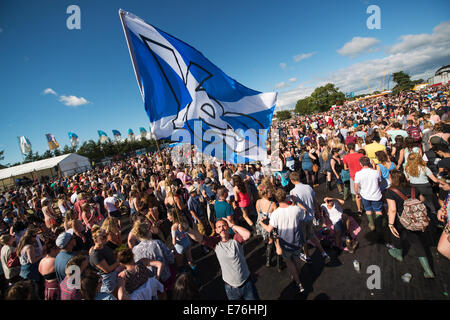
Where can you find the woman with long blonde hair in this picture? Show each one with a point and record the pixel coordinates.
(227, 182)
(417, 173)
(114, 237)
(326, 156)
(264, 208)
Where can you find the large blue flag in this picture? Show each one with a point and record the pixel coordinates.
(184, 92)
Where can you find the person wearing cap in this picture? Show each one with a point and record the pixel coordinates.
(206, 189)
(65, 242)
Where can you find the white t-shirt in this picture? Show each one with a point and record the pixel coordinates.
(334, 213)
(368, 180)
(288, 222)
(73, 198)
(304, 194)
(110, 204)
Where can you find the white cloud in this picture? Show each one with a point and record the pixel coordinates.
(292, 79)
(73, 101)
(289, 98)
(358, 45)
(283, 65)
(49, 91)
(303, 56)
(420, 59)
(1, 30)
(441, 33)
(281, 85)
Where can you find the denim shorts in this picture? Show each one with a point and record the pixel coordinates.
(338, 226)
(109, 282)
(288, 254)
(182, 245)
(374, 206)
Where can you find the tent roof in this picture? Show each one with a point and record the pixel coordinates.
(37, 165)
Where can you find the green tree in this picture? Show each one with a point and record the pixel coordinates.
(30, 157)
(47, 154)
(283, 115)
(326, 96)
(67, 149)
(403, 82)
(304, 106)
(320, 100)
(57, 152)
(1, 158)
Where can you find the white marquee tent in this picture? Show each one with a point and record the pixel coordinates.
(64, 165)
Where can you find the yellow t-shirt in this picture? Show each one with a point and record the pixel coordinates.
(372, 148)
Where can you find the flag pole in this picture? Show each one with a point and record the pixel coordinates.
(23, 156)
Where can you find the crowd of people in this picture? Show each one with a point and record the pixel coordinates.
(389, 154)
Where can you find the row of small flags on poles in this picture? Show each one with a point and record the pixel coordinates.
(25, 144)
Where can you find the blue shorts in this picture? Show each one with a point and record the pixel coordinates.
(374, 206)
(109, 281)
(338, 226)
(182, 245)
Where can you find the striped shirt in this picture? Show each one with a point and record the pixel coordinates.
(67, 293)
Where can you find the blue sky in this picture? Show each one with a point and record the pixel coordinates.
(255, 42)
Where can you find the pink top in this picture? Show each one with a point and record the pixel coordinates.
(243, 200)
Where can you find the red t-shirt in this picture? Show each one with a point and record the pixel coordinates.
(350, 139)
(330, 122)
(352, 162)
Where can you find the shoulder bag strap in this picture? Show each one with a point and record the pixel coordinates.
(401, 195)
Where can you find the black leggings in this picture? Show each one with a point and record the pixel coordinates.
(417, 240)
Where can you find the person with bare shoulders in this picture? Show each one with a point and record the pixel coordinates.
(264, 208)
(50, 215)
(47, 270)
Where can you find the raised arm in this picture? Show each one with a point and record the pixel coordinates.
(194, 234)
(244, 233)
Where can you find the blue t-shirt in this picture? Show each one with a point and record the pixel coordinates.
(60, 264)
(195, 205)
(223, 209)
